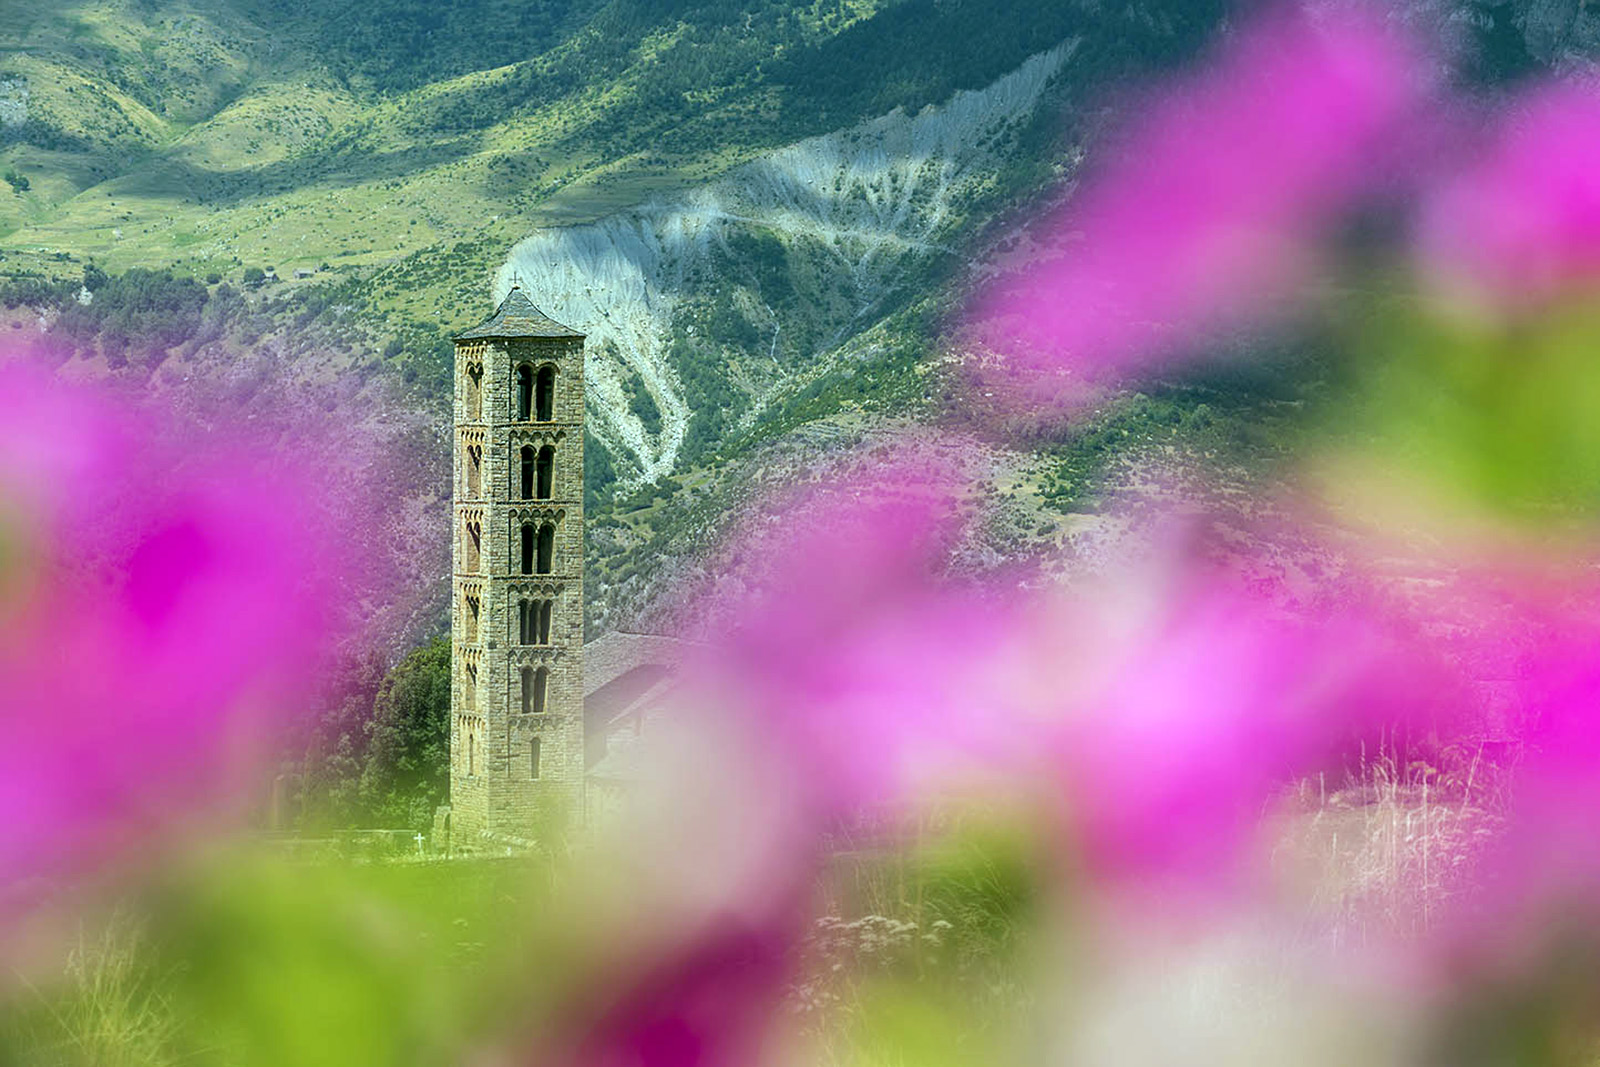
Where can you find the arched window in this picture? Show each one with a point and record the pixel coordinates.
(547, 549)
(535, 685)
(527, 469)
(533, 621)
(524, 392)
(529, 537)
(474, 392)
(533, 757)
(545, 405)
(546, 469)
(474, 469)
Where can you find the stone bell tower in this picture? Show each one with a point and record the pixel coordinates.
(516, 735)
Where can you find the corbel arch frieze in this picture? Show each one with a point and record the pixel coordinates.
(537, 590)
(544, 722)
(538, 514)
(535, 655)
(542, 435)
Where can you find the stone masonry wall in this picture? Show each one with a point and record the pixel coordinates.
(492, 785)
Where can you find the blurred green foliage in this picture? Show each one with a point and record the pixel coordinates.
(246, 957)
(407, 770)
(1495, 414)
(379, 756)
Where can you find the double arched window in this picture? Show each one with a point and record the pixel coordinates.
(538, 548)
(533, 621)
(536, 393)
(537, 472)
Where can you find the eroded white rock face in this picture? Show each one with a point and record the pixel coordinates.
(874, 198)
(13, 102)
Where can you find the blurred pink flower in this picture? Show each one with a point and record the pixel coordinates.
(855, 659)
(1211, 703)
(1207, 216)
(1164, 708)
(1547, 644)
(1523, 222)
(162, 608)
(711, 1003)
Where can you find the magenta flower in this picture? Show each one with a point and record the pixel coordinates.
(1208, 215)
(857, 662)
(1205, 704)
(710, 1003)
(161, 615)
(1161, 710)
(1523, 223)
(1545, 643)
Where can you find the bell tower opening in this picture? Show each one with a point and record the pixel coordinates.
(545, 395)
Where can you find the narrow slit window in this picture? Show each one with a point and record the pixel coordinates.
(474, 393)
(524, 393)
(545, 407)
(533, 757)
(529, 538)
(470, 696)
(547, 549)
(545, 609)
(546, 473)
(474, 547)
(535, 687)
(527, 472)
(474, 470)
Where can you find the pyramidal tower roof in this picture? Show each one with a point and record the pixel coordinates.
(517, 317)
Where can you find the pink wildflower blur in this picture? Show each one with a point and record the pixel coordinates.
(1207, 217)
(850, 653)
(1159, 712)
(1205, 705)
(1544, 640)
(159, 619)
(1522, 223)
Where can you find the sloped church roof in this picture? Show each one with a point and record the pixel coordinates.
(517, 317)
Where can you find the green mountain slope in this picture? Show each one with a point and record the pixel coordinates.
(400, 152)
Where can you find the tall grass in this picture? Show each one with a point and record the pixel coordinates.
(107, 1009)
